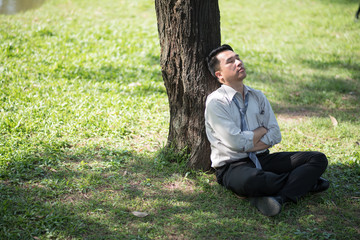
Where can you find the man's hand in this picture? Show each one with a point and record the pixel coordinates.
(259, 145)
(258, 134)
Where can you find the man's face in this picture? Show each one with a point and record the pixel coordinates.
(231, 68)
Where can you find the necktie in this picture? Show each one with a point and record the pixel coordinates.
(244, 127)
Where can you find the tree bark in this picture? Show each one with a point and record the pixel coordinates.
(188, 31)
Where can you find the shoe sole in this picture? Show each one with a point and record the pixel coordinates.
(324, 186)
(268, 206)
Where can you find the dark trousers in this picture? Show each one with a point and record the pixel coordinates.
(287, 174)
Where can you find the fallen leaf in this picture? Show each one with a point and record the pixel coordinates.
(139, 214)
(333, 121)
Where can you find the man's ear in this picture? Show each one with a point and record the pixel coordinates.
(219, 76)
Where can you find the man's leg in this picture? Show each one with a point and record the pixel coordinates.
(304, 170)
(285, 176)
(245, 180)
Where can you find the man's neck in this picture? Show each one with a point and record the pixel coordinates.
(239, 87)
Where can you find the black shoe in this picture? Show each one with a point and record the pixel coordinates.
(321, 185)
(268, 206)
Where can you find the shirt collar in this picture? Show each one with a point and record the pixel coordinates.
(230, 92)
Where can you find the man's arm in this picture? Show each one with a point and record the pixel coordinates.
(222, 129)
(258, 144)
(273, 135)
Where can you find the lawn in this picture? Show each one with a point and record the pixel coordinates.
(84, 119)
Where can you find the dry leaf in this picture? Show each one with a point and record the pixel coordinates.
(140, 214)
(333, 120)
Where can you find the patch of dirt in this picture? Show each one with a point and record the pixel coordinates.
(184, 186)
(296, 116)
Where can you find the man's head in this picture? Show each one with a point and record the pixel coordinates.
(225, 65)
(212, 60)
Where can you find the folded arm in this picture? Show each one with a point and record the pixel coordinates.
(223, 128)
(268, 121)
(258, 144)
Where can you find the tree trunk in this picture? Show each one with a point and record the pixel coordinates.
(188, 31)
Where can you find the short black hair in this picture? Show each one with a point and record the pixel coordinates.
(212, 61)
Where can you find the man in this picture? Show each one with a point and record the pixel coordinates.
(241, 126)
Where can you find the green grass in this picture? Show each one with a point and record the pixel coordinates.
(84, 117)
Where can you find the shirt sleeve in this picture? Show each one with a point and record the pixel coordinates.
(273, 136)
(221, 129)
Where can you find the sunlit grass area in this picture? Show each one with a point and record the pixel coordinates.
(84, 116)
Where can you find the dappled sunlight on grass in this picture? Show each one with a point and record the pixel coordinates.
(84, 120)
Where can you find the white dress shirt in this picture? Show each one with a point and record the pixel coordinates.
(223, 124)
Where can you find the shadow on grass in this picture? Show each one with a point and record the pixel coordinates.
(318, 95)
(340, 1)
(91, 194)
(141, 79)
(348, 64)
(28, 212)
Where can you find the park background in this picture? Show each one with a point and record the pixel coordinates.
(84, 119)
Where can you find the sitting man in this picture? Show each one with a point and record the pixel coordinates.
(241, 126)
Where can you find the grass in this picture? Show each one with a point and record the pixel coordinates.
(84, 117)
